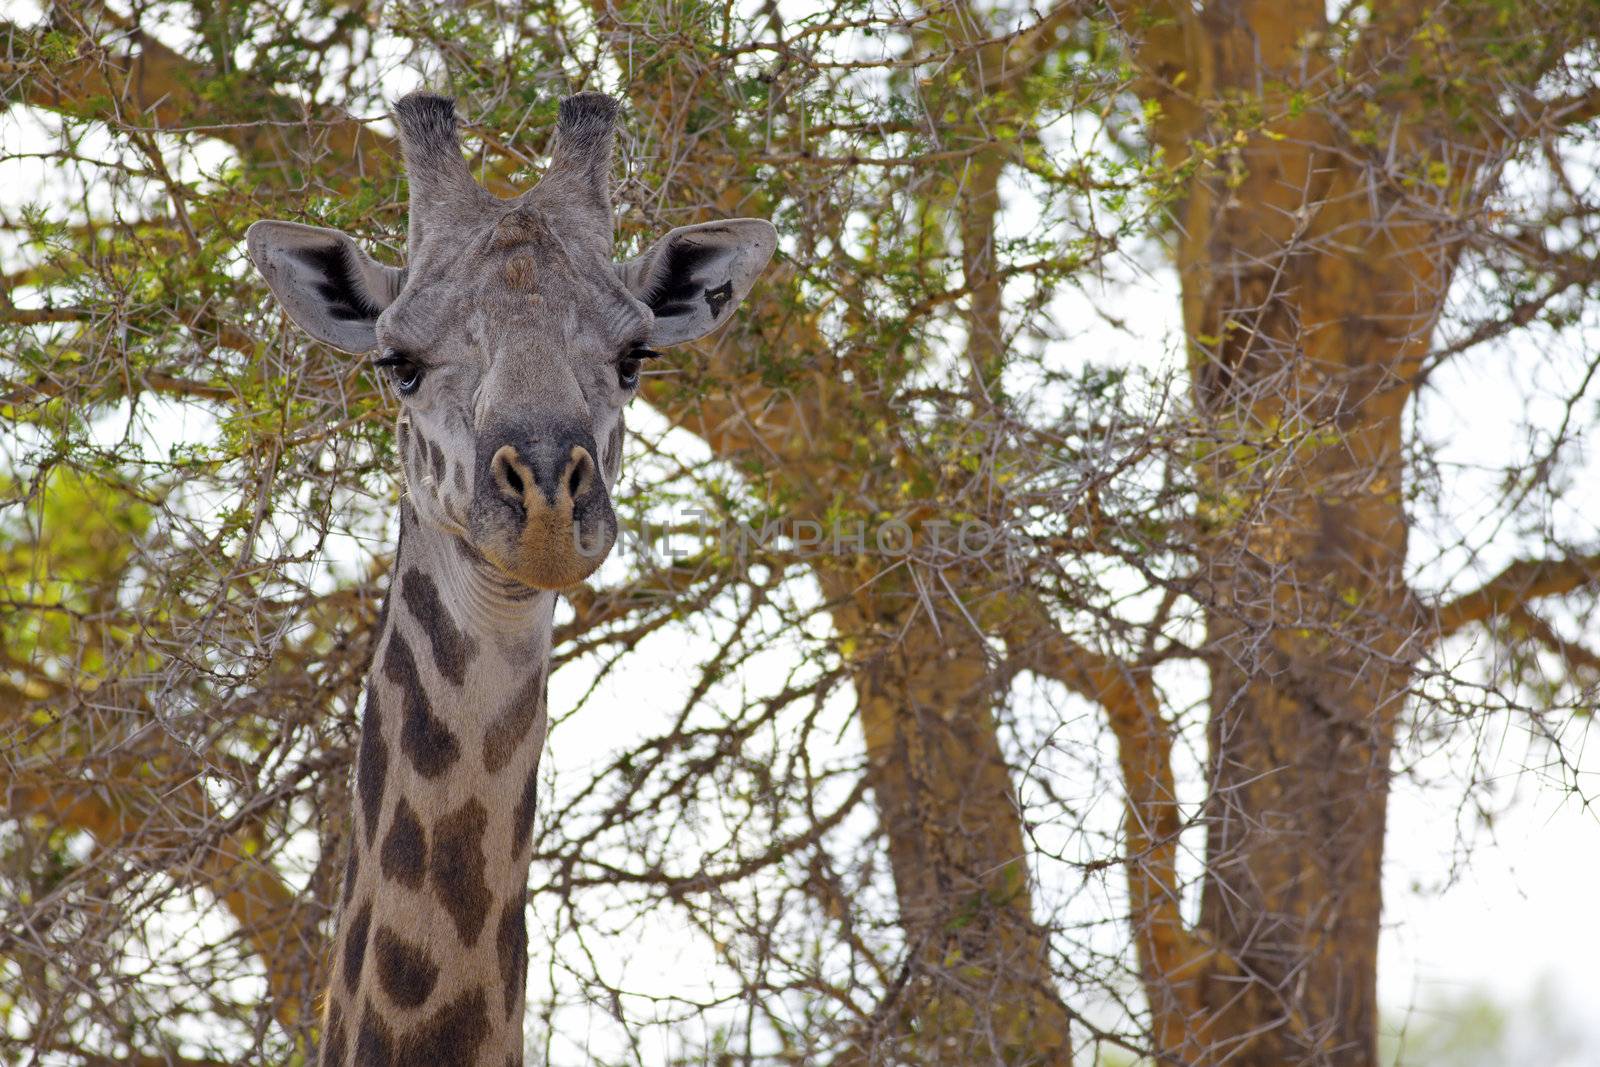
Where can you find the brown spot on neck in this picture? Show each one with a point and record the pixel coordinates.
(451, 1036)
(352, 868)
(374, 1041)
(372, 765)
(334, 1042)
(424, 737)
(355, 947)
(511, 946)
(510, 728)
(522, 816)
(456, 869)
(453, 649)
(405, 848)
(405, 971)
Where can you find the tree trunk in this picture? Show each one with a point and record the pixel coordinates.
(1300, 735)
(978, 986)
(1309, 299)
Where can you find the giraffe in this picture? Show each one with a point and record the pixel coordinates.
(514, 342)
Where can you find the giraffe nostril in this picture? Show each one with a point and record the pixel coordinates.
(580, 468)
(511, 478)
(538, 473)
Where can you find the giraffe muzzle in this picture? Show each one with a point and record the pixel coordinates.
(541, 513)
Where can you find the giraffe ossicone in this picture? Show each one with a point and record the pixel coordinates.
(514, 342)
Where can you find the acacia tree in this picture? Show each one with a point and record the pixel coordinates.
(879, 848)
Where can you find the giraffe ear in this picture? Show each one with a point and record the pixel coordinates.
(330, 288)
(695, 276)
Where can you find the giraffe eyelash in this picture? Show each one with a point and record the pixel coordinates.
(628, 365)
(393, 357)
(404, 371)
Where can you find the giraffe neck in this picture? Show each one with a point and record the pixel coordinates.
(431, 956)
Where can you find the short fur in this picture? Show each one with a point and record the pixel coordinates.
(507, 326)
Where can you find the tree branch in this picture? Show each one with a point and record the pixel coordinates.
(1022, 56)
(1514, 587)
(20, 392)
(1570, 271)
(1172, 957)
(151, 85)
(134, 1059)
(1576, 655)
(264, 907)
(1571, 110)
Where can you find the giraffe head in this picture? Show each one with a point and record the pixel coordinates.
(512, 337)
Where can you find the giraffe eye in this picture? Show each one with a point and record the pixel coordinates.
(628, 366)
(404, 372)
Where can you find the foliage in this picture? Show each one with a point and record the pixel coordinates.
(873, 804)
